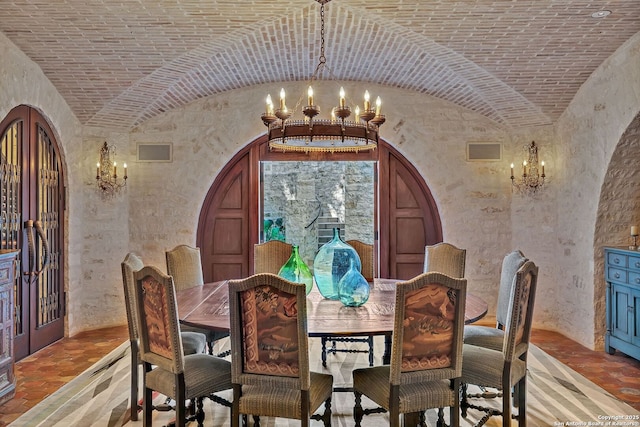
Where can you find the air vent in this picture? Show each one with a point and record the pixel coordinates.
(154, 153)
(484, 151)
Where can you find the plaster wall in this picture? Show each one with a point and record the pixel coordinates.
(595, 207)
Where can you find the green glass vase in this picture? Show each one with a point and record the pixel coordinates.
(295, 270)
(331, 263)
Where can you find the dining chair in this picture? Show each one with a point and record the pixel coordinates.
(506, 368)
(193, 342)
(269, 257)
(426, 353)
(488, 336)
(365, 252)
(184, 264)
(270, 352)
(166, 369)
(445, 258)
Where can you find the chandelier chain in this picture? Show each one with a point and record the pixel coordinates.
(311, 134)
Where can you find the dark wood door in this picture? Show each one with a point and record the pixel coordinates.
(409, 218)
(32, 209)
(223, 231)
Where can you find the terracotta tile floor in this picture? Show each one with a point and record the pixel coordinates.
(41, 374)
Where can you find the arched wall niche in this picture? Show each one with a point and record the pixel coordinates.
(618, 209)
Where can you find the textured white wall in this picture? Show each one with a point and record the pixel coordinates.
(588, 133)
(161, 204)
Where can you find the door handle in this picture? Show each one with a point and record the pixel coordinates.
(29, 226)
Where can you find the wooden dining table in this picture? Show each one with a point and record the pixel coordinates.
(207, 306)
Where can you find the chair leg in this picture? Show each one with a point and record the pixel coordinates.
(357, 408)
(147, 407)
(454, 414)
(181, 412)
(324, 351)
(506, 404)
(370, 341)
(522, 402)
(326, 417)
(134, 382)
(464, 403)
(235, 408)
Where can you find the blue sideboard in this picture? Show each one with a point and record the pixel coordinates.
(622, 276)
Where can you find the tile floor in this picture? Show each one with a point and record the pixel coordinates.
(44, 372)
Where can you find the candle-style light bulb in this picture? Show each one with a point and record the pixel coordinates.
(125, 171)
(378, 106)
(511, 170)
(310, 95)
(367, 104)
(524, 167)
(342, 95)
(357, 118)
(542, 164)
(269, 105)
(115, 174)
(282, 103)
(98, 170)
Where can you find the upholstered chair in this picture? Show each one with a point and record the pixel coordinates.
(184, 264)
(445, 258)
(269, 257)
(492, 337)
(270, 353)
(193, 342)
(166, 369)
(506, 368)
(426, 353)
(365, 252)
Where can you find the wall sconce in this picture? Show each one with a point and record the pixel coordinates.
(107, 172)
(533, 175)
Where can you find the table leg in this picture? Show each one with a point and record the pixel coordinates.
(386, 357)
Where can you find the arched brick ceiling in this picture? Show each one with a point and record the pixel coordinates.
(120, 63)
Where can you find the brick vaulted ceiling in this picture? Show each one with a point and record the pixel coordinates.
(119, 63)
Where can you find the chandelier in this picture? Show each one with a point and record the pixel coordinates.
(107, 172)
(310, 134)
(533, 175)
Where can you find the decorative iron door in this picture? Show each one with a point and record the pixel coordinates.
(31, 192)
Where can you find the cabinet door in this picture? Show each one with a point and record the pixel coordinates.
(621, 302)
(634, 316)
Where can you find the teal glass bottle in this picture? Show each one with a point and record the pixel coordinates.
(295, 270)
(331, 263)
(353, 288)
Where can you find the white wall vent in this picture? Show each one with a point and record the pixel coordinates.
(155, 153)
(484, 151)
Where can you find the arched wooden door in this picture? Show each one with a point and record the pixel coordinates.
(32, 191)
(228, 224)
(224, 229)
(409, 218)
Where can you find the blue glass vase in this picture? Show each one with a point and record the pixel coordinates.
(295, 270)
(331, 263)
(353, 288)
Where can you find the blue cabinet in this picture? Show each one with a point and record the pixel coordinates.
(622, 276)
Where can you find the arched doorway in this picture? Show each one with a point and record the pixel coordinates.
(618, 208)
(228, 227)
(32, 191)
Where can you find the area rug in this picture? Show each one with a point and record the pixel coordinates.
(557, 396)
